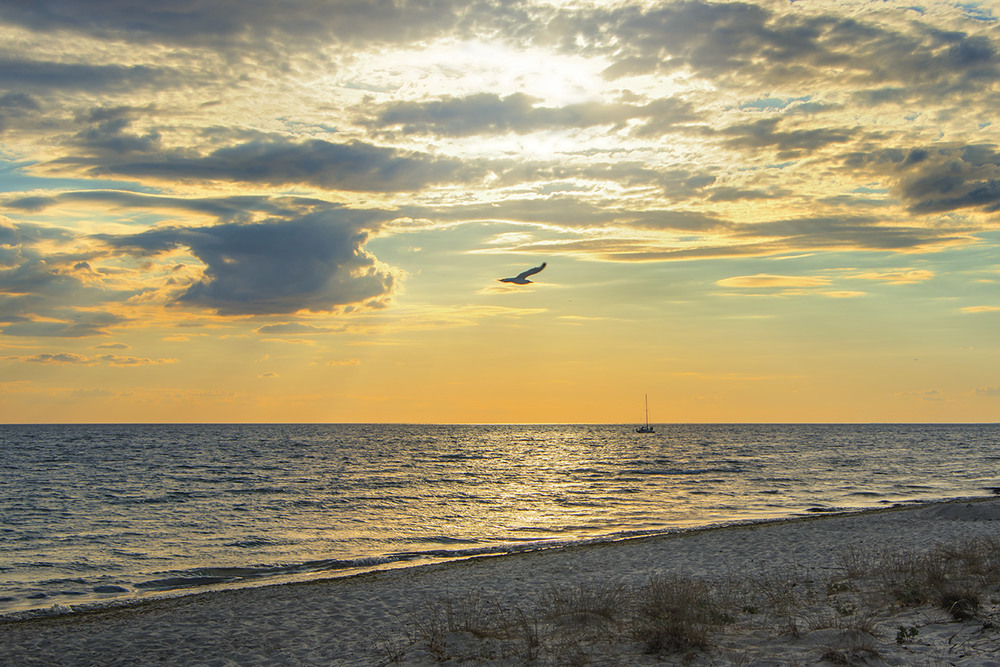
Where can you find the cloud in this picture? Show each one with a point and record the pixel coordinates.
(481, 113)
(53, 358)
(988, 391)
(14, 106)
(939, 179)
(70, 358)
(107, 133)
(44, 288)
(225, 24)
(905, 277)
(35, 75)
(294, 328)
(344, 362)
(313, 262)
(616, 235)
(731, 41)
(932, 395)
(236, 208)
(572, 213)
(948, 182)
(309, 257)
(858, 232)
(86, 324)
(789, 143)
(730, 194)
(981, 309)
(769, 280)
(355, 166)
(843, 294)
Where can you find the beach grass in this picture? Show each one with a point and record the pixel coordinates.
(875, 606)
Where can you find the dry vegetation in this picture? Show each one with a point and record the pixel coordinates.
(875, 608)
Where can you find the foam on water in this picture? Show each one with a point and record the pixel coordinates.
(101, 513)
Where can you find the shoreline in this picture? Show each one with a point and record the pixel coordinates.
(343, 620)
(460, 555)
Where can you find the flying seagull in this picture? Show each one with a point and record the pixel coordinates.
(522, 278)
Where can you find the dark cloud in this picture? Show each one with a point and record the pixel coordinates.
(315, 262)
(39, 75)
(27, 271)
(484, 113)
(224, 22)
(9, 101)
(938, 179)
(727, 40)
(709, 38)
(862, 233)
(792, 143)
(14, 106)
(354, 166)
(107, 134)
(950, 179)
(9, 236)
(308, 255)
(238, 208)
(41, 292)
(30, 203)
(80, 326)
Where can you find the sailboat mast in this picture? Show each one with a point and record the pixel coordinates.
(647, 410)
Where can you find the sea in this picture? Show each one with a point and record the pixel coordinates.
(94, 515)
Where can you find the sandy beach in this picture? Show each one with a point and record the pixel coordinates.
(836, 605)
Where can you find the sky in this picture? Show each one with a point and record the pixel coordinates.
(298, 211)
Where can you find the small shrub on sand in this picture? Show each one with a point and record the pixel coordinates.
(781, 598)
(855, 563)
(470, 613)
(677, 615)
(913, 579)
(600, 604)
(962, 603)
(974, 558)
(863, 653)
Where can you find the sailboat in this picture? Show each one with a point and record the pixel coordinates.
(646, 428)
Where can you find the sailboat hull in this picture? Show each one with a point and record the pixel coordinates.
(645, 428)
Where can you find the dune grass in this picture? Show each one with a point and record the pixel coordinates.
(873, 606)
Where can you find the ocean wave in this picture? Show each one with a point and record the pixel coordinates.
(443, 539)
(679, 471)
(207, 576)
(252, 542)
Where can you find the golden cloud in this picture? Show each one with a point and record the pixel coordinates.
(769, 280)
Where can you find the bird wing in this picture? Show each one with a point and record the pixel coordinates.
(530, 272)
